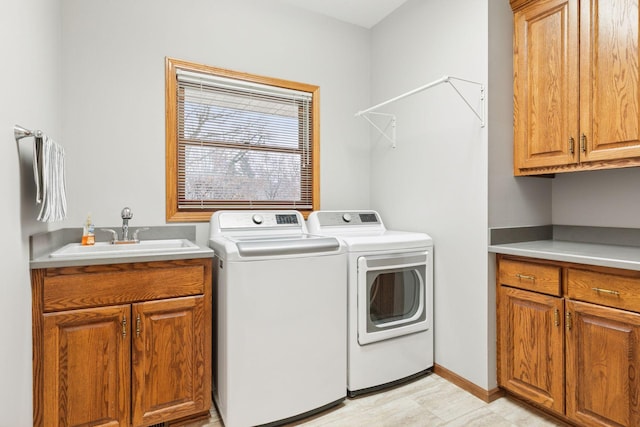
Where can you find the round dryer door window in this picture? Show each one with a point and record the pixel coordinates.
(391, 296)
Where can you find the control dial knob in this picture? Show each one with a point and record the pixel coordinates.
(257, 219)
(347, 217)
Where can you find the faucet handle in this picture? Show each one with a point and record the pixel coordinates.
(135, 233)
(126, 213)
(114, 235)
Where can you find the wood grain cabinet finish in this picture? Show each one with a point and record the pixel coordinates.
(619, 291)
(86, 368)
(577, 354)
(532, 349)
(169, 359)
(576, 88)
(603, 362)
(121, 344)
(531, 276)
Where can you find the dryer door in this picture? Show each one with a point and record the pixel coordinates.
(392, 296)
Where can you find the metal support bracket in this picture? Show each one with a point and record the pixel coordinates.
(392, 123)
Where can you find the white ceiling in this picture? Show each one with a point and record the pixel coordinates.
(365, 13)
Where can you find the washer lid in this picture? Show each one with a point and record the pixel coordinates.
(245, 247)
(285, 245)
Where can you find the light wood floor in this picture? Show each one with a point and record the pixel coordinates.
(429, 401)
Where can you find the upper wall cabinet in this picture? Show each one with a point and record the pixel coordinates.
(576, 89)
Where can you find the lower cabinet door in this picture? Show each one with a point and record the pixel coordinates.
(532, 346)
(170, 368)
(87, 367)
(603, 365)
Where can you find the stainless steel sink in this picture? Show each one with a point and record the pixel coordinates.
(167, 246)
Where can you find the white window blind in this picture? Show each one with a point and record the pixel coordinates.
(242, 144)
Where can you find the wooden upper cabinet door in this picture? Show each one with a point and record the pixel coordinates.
(609, 87)
(170, 359)
(532, 346)
(603, 365)
(86, 367)
(546, 89)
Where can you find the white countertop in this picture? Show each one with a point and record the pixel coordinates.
(626, 257)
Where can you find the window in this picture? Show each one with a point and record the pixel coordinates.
(238, 141)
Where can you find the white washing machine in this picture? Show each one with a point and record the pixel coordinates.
(390, 298)
(280, 313)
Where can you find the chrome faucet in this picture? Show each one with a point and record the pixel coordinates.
(126, 215)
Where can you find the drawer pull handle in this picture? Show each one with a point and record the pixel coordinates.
(606, 291)
(124, 326)
(526, 277)
(138, 325)
(556, 317)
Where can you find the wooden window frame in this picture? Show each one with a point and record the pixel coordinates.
(173, 212)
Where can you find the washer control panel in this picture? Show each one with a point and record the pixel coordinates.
(259, 220)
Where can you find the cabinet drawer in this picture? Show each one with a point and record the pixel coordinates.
(69, 288)
(604, 289)
(530, 276)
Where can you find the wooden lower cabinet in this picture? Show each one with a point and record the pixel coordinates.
(169, 360)
(133, 355)
(532, 349)
(86, 367)
(603, 364)
(578, 359)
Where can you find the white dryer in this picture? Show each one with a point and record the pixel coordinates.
(280, 314)
(390, 298)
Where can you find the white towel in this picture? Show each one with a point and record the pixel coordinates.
(48, 170)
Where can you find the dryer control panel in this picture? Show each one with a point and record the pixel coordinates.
(346, 218)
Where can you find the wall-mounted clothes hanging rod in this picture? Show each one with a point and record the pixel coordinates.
(444, 79)
(19, 132)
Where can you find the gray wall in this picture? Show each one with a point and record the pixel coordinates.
(30, 48)
(113, 82)
(436, 179)
(598, 198)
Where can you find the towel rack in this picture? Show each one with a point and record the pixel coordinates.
(20, 132)
(444, 79)
(48, 173)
